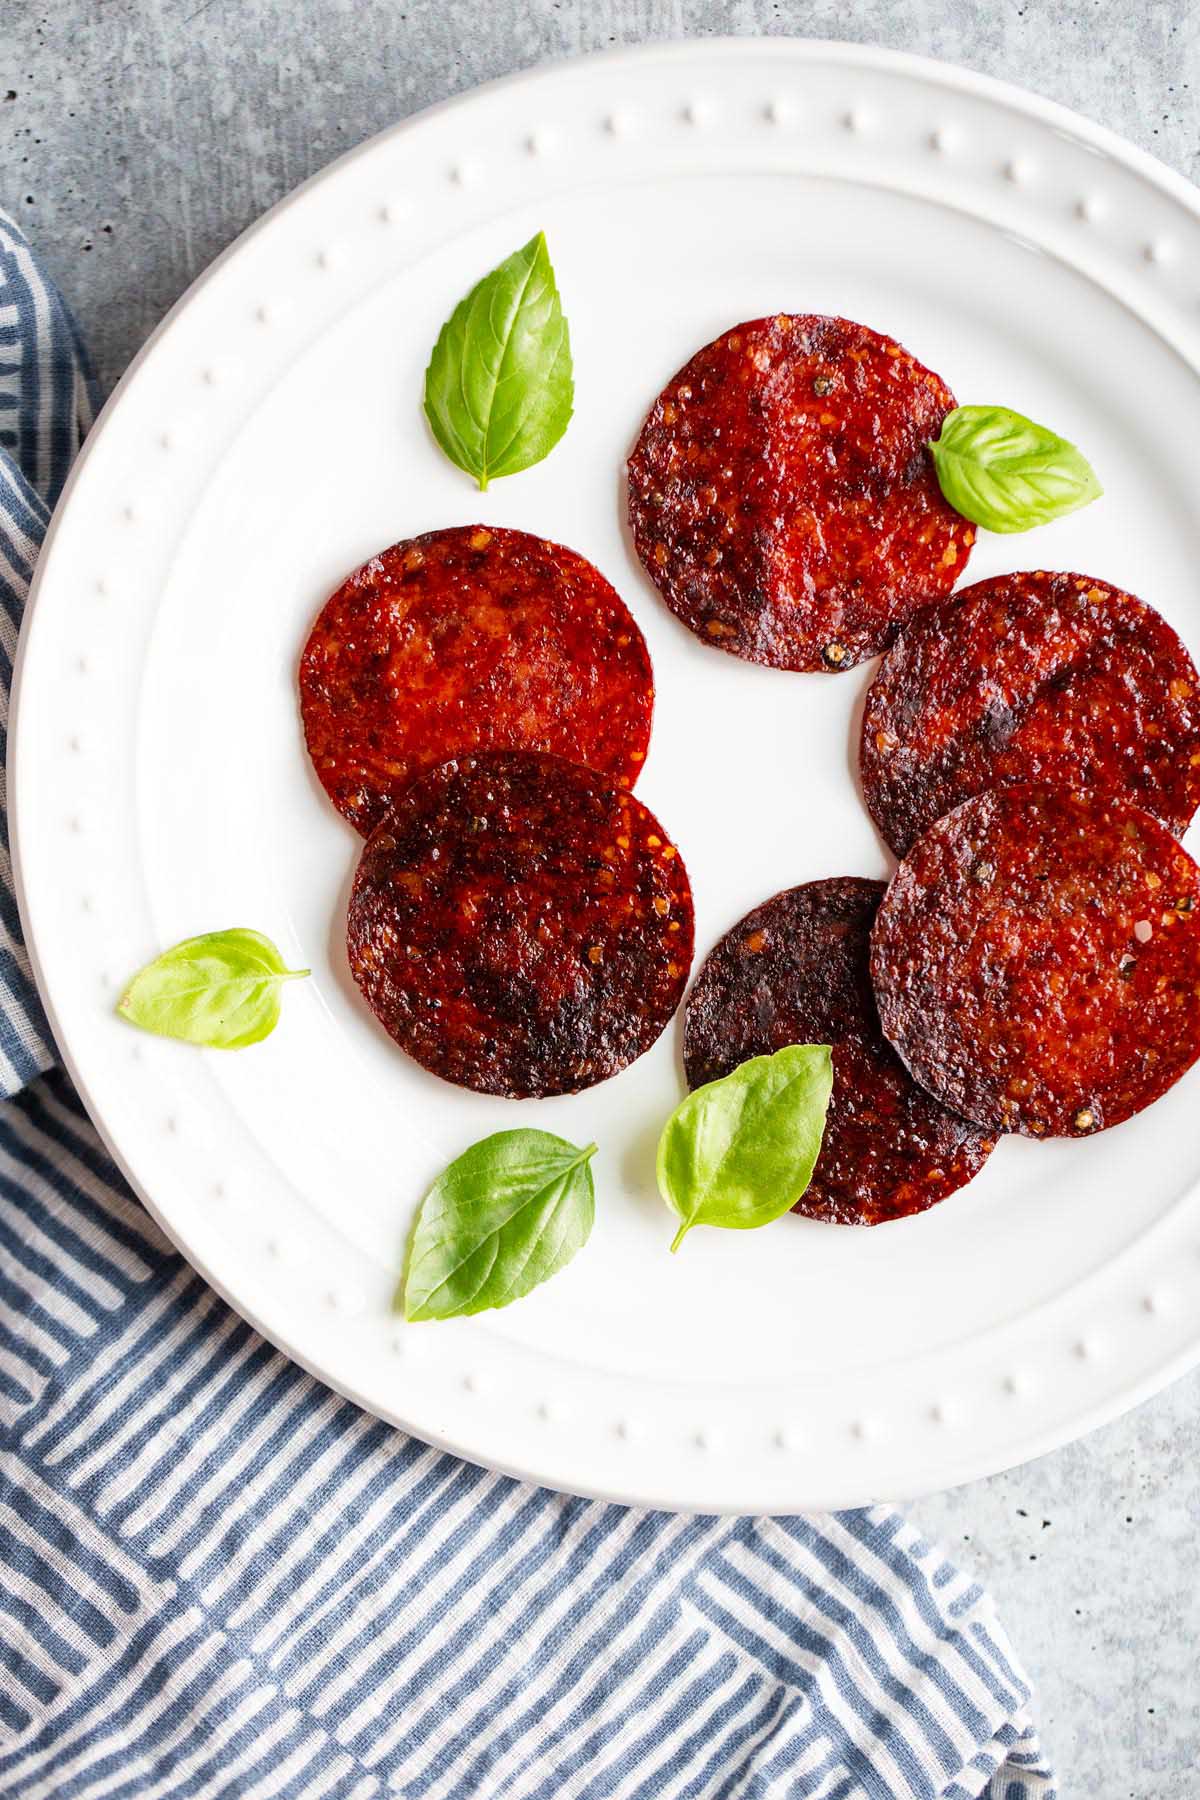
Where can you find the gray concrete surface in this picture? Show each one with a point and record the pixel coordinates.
(137, 137)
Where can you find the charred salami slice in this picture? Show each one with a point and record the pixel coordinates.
(783, 498)
(1031, 677)
(468, 639)
(794, 971)
(1036, 960)
(518, 926)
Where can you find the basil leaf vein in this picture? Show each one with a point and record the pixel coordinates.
(502, 1218)
(739, 1152)
(220, 990)
(1006, 473)
(499, 389)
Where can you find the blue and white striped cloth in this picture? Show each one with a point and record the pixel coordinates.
(219, 1580)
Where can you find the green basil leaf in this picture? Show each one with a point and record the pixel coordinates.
(221, 990)
(499, 387)
(739, 1152)
(506, 1215)
(1003, 472)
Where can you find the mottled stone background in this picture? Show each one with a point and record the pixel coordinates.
(137, 137)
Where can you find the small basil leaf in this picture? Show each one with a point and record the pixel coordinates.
(506, 1215)
(1003, 472)
(499, 387)
(741, 1151)
(220, 990)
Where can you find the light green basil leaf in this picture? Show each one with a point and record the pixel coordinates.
(499, 387)
(221, 990)
(739, 1152)
(506, 1215)
(1003, 472)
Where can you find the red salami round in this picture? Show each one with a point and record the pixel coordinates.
(475, 638)
(1042, 677)
(783, 498)
(1036, 960)
(794, 971)
(519, 927)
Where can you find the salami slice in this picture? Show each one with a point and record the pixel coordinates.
(1031, 677)
(1037, 960)
(783, 498)
(468, 639)
(518, 926)
(794, 971)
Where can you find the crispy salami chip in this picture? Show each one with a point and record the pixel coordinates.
(783, 498)
(794, 971)
(1031, 677)
(518, 926)
(1037, 960)
(474, 638)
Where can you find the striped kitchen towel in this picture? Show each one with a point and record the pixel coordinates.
(218, 1579)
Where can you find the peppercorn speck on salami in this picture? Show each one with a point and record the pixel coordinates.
(783, 498)
(467, 639)
(1031, 677)
(795, 971)
(519, 926)
(1036, 960)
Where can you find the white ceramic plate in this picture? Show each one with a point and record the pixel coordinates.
(270, 438)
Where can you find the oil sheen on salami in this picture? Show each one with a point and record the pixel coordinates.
(782, 495)
(795, 971)
(519, 926)
(1036, 960)
(466, 639)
